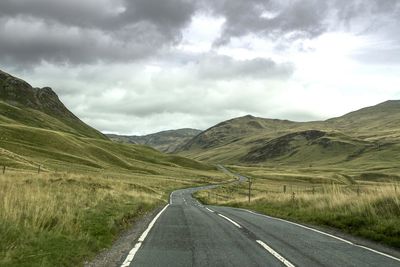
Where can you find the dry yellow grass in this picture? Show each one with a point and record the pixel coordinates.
(51, 219)
(370, 210)
(59, 201)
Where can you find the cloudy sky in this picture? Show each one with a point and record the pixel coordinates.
(140, 66)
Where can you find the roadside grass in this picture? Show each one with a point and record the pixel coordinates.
(369, 209)
(65, 196)
(62, 219)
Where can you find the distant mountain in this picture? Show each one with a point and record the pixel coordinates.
(38, 107)
(165, 141)
(371, 133)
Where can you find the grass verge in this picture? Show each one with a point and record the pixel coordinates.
(62, 219)
(371, 211)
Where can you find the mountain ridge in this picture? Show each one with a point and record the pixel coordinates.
(354, 134)
(18, 93)
(36, 129)
(164, 141)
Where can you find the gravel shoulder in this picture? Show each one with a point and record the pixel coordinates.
(115, 255)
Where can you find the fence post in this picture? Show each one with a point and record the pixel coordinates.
(38, 169)
(284, 189)
(4, 169)
(249, 189)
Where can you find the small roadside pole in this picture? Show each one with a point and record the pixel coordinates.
(4, 169)
(38, 169)
(250, 182)
(284, 189)
(358, 191)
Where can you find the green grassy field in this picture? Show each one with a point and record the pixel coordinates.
(88, 190)
(68, 191)
(62, 218)
(361, 202)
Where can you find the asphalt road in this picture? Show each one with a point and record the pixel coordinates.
(188, 233)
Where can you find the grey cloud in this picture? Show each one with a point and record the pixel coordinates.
(26, 40)
(304, 18)
(382, 56)
(287, 20)
(89, 31)
(223, 67)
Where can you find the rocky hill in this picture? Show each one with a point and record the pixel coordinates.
(19, 101)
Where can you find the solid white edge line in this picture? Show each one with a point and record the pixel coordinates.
(378, 252)
(135, 249)
(131, 254)
(275, 254)
(233, 222)
(303, 226)
(326, 234)
(209, 210)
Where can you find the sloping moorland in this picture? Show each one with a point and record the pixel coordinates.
(88, 189)
(340, 173)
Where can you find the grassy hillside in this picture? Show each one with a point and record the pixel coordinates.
(363, 136)
(379, 122)
(38, 108)
(228, 141)
(165, 141)
(88, 189)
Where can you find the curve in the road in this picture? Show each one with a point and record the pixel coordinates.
(187, 233)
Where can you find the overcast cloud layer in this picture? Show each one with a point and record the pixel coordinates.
(140, 66)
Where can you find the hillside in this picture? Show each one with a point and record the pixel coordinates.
(20, 103)
(379, 122)
(165, 141)
(67, 190)
(37, 129)
(369, 134)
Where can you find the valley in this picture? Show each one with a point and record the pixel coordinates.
(68, 190)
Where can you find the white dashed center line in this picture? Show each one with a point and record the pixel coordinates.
(275, 254)
(231, 221)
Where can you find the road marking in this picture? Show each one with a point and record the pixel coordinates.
(209, 210)
(309, 228)
(275, 254)
(135, 249)
(233, 222)
(323, 233)
(131, 254)
(378, 252)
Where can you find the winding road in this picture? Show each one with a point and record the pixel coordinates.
(187, 233)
